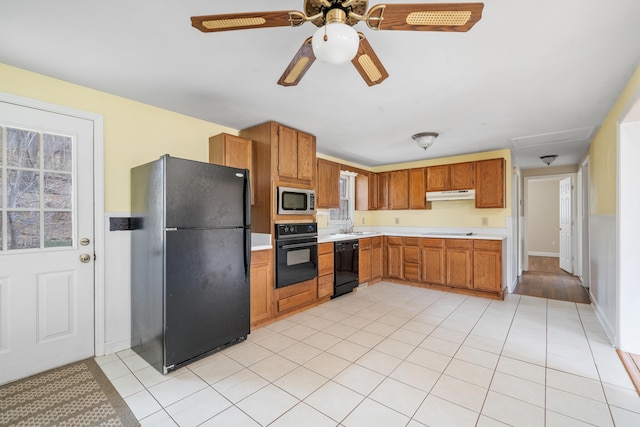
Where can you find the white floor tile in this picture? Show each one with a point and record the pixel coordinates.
(348, 350)
(240, 385)
(231, 417)
(394, 348)
(177, 388)
(359, 379)
(277, 342)
(273, 367)
(300, 353)
(366, 339)
(434, 361)
(115, 369)
(436, 412)
(477, 356)
(438, 345)
(303, 415)
(334, 400)
(198, 407)
(217, 369)
(379, 362)
(301, 382)
(524, 370)
(299, 332)
(322, 340)
(158, 419)
(558, 420)
(578, 407)
(267, 404)
(416, 376)
(142, 404)
(519, 388)
(624, 418)
(127, 385)
(485, 421)
(469, 372)
(575, 384)
(398, 396)
(251, 353)
(460, 392)
(513, 411)
(327, 365)
(622, 397)
(372, 414)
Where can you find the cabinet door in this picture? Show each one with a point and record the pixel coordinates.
(261, 286)
(458, 262)
(364, 264)
(325, 286)
(376, 258)
(487, 265)
(325, 258)
(399, 189)
(287, 152)
(328, 195)
(394, 259)
(438, 178)
(362, 192)
(306, 157)
(490, 183)
(462, 176)
(383, 190)
(373, 191)
(433, 266)
(417, 188)
(234, 151)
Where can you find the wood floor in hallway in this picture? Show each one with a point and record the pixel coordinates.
(545, 279)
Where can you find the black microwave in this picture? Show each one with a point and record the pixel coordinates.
(296, 201)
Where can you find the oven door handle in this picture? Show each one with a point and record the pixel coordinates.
(299, 245)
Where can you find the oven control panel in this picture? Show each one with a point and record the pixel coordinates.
(296, 229)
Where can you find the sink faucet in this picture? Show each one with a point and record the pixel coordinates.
(348, 225)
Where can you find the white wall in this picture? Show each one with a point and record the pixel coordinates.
(543, 218)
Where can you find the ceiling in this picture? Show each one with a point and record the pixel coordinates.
(537, 77)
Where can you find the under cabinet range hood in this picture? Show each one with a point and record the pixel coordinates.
(433, 196)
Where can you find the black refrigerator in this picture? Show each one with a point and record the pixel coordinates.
(191, 255)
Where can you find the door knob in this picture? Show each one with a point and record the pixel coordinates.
(85, 258)
(84, 241)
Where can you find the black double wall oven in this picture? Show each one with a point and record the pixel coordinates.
(296, 253)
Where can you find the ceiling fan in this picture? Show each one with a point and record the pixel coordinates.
(335, 41)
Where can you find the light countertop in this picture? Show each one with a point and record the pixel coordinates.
(482, 234)
(260, 242)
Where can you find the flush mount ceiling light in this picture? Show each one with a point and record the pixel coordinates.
(548, 159)
(425, 139)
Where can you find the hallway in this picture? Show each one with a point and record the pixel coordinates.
(545, 279)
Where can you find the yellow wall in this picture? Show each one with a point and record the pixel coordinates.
(459, 213)
(134, 133)
(602, 153)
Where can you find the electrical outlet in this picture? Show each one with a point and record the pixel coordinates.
(484, 221)
(397, 220)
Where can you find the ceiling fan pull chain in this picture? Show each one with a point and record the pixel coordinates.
(325, 33)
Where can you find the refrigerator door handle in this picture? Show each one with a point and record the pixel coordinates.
(247, 253)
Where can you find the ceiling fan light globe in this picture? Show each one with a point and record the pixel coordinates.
(340, 46)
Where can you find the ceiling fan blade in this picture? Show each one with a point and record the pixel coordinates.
(368, 64)
(299, 65)
(243, 21)
(425, 16)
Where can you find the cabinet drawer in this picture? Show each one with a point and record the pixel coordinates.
(410, 241)
(432, 243)
(488, 244)
(411, 254)
(411, 272)
(293, 301)
(376, 241)
(391, 240)
(325, 248)
(458, 243)
(325, 264)
(261, 257)
(364, 242)
(325, 286)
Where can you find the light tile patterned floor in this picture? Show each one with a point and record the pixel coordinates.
(394, 355)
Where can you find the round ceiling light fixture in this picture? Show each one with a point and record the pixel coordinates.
(335, 43)
(425, 139)
(548, 159)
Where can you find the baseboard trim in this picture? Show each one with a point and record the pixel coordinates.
(549, 254)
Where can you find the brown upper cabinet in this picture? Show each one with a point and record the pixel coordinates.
(383, 190)
(457, 176)
(490, 183)
(399, 189)
(417, 189)
(373, 191)
(328, 193)
(234, 151)
(296, 154)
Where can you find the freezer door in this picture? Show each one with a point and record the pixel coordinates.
(207, 291)
(203, 195)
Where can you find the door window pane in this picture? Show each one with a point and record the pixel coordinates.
(57, 191)
(57, 229)
(23, 148)
(57, 152)
(23, 230)
(23, 189)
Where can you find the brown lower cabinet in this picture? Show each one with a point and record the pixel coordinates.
(377, 258)
(261, 288)
(364, 260)
(394, 257)
(458, 262)
(325, 270)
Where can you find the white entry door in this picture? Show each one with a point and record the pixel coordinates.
(46, 240)
(566, 226)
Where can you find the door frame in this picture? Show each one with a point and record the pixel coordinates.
(98, 201)
(525, 237)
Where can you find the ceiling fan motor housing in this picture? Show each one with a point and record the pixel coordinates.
(335, 10)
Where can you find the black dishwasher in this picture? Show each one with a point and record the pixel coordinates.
(345, 263)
